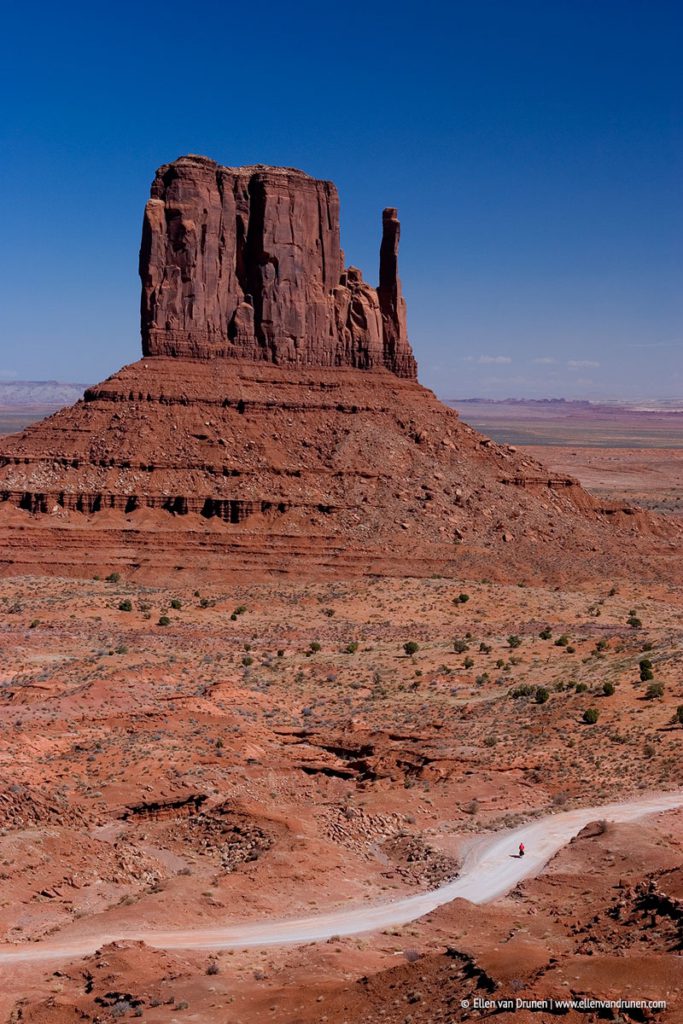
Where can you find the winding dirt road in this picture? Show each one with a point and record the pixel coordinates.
(490, 870)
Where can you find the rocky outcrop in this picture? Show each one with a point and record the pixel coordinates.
(245, 262)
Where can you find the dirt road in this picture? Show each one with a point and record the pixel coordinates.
(491, 869)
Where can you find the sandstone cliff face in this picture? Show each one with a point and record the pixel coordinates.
(246, 262)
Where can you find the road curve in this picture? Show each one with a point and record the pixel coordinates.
(490, 869)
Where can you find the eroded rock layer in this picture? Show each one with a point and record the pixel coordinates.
(245, 262)
(225, 465)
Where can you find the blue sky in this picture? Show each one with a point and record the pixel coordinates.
(534, 150)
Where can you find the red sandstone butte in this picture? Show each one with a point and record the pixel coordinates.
(246, 262)
(275, 423)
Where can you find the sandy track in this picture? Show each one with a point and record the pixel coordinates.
(490, 870)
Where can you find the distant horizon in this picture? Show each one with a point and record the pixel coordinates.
(662, 401)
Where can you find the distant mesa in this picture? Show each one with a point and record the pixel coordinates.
(245, 262)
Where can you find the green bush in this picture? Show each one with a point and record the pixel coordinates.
(352, 647)
(591, 715)
(315, 646)
(176, 603)
(634, 622)
(580, 688)
(113, 577)
(461, 599)
(608, 689)
(484, 648)
(468, 662)
(541, 695)
(164, 620)
(524, 690)
(126, 606)
(514, 641)
(247, 660)
(460, 646)
(646, 672)
(546, 633)
(562, 641)
(411, 647)
(678, 717)
(655, 691)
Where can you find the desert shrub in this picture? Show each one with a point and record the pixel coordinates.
(281, 653)
(524, 690)
(484, 648)
(113, 577)
(562, 641)
(126, 606)
(176, 603)
(468, 662)
(590, 716)
(247, 660)
(580, 687)
(601, 645)
(655, 691)
(33, 623)
(646, 672)
(490, 741)
(164, 620)
(634, 622)
(352, 647)
(460, 646)
(461, 599)
(541, 695)
(546, 633)
(213, 968)
(315, 646)
(514, 641)
(240, 609)
(411, 647)
(678, 716)
(608, 689)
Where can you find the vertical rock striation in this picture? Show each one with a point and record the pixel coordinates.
(246, 262)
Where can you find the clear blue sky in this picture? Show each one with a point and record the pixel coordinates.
(534, 150)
